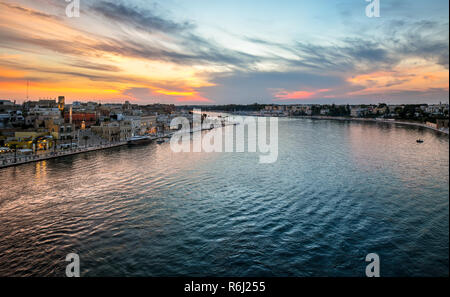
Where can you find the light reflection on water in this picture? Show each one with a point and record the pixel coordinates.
(338, 191)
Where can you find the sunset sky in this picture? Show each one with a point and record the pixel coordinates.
(221, 52)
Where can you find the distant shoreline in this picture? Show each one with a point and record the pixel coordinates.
(373, 121)
(356, 120)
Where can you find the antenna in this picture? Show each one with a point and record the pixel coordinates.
(28, 82)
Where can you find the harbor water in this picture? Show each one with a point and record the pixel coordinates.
(338, 191)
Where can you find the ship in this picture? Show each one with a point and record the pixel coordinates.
(136, 140)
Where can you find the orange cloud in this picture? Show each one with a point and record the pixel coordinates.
(298, 95)
(60, 57)
(158, 94)
(188, 96)
(411, 75)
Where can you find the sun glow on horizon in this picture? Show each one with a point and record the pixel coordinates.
(125, 51)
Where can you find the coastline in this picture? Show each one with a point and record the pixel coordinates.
(373, 121)
(53, 155)
(24, 159)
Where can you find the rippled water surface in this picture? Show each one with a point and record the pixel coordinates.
(339, 191)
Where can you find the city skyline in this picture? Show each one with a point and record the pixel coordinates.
(211, 52)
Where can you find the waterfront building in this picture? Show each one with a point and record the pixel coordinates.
(148, 124)
(135, 124)
(126, 131)
(61, 130)
(31, 139)
(110, 131)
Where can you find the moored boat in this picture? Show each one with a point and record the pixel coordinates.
(136, 140)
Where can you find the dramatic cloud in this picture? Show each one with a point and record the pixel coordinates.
(141, 18)
(215, 52)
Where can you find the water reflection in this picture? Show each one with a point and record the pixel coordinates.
(41, 170)
(338, 191)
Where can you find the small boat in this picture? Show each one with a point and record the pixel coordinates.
(136, 140)
(160, 141)
(420, 141)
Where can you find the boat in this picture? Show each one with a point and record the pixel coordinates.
(136, 140)
(160, 141)
(420, 141)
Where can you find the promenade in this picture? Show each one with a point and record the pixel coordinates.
(11, 160)
(93, 144)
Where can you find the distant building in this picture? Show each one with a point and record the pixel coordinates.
(380, 110)
(5, 105)
(356, 111)
(324, 111)
(45, 103)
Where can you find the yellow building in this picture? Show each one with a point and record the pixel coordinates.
(26, 139)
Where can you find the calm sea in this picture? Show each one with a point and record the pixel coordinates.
(339, 191)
